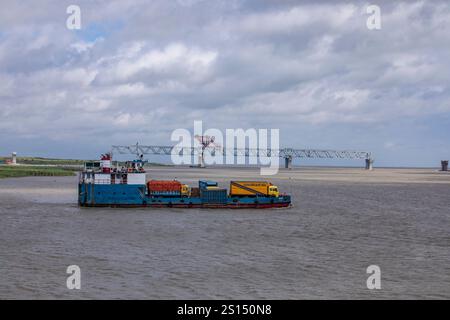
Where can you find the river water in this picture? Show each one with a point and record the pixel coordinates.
(318, 249)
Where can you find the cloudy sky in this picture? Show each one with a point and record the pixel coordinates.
(137, 70)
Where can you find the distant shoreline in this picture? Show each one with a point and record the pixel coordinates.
(80, 162)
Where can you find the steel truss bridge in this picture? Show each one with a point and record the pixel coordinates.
(287, 153)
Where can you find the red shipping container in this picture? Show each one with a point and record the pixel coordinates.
(164, 185)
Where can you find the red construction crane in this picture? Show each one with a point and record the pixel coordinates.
(206, 142)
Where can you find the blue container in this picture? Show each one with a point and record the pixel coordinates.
(203, 184)
(218, 196)
(110, 194)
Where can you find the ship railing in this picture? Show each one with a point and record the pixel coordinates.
(101, 181)
(108, 181)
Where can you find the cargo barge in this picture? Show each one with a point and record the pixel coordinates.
(100, 185)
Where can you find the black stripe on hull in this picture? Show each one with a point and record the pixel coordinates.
(198, 206)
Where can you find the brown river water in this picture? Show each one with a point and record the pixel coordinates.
(342, 221)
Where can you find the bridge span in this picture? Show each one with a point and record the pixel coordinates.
(288, 154)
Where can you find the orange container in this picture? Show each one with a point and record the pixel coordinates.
(163, 185)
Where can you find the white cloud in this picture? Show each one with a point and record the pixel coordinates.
(298, 18)
(315, 102)
(123, 119)
(174, 57)
(80, 76)
(146, 67)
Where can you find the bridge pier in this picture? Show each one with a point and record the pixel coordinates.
(288, 162)
(369, 164)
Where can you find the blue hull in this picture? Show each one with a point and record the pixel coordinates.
(122, 195)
